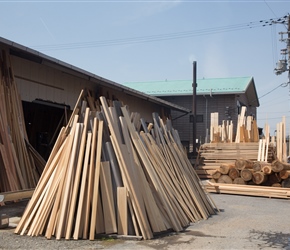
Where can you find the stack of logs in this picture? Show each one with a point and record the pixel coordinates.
(111, 173)
(20, 164)
(253, 173)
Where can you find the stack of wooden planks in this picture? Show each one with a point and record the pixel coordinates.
(212, 155)
(247, 130)
(110, 173)
(20, 164)
(248, 190)
(280, 142)
(223, 149)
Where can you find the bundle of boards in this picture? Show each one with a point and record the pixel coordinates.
(20, 164)
(111, 173)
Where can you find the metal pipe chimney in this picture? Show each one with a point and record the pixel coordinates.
(194, 85)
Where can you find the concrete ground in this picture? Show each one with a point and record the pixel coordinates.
(243, 223)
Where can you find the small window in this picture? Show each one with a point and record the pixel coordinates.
(199, 118)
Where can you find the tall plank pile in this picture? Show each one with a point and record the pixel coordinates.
(20, 164)
(110, 173)
(223, 149)
(247, 130)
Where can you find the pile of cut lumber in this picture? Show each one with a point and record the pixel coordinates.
(254, 173)
(20, 165)
(212, 155)
(110, 173)
(247, 129)
(281, 145)
(248, 190)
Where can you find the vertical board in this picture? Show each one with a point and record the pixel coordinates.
(122, 211)
(107, 198)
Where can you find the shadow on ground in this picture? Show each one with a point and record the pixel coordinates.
(271, 239)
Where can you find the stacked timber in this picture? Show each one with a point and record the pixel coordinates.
(212, 155)
(280, 141)
(110, 173)
(254, 173)
(247, 129)
(249, 190)
(246, 145)
(20, 165)
(250, 178)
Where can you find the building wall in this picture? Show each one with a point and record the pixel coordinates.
(205, 106)
(41, 81)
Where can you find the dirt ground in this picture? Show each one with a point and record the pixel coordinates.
(243, 223)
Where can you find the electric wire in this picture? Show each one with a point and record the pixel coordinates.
(270, 8)
(154, 38)
(270, 91)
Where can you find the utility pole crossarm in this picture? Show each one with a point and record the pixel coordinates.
(283, 65)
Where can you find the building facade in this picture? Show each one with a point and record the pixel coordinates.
(49, 89)
(223, 95)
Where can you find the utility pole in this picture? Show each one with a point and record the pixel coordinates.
(283, 65)
(288, 48)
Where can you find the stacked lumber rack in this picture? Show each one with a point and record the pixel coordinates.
(110, 173)
(248, 190)
(20, 165)
(224, 150)
(212, 155)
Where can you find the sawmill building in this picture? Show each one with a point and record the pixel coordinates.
(223, 95)
(49, 89)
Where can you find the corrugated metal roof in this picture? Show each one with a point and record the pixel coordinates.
(184, 87)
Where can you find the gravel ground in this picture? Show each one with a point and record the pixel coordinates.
(243, 223)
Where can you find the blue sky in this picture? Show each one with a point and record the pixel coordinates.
(224, 37)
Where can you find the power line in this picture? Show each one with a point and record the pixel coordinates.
(271, 91)
(270, 8)
(155, 38)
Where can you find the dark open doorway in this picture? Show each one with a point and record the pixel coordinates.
(43, 121)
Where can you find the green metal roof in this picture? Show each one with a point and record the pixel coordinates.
(210, 86)
(184, 87)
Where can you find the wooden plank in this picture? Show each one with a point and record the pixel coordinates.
(77, 173)
(17, 195)
(149, 202)
(90, 180)
(81, 194)
(51, 164)
(164, 184)
(43, 211)
(271, 192)
(62, 219)
(107, 198)
(51, 226)
(125, 165)
(100, 225)
(122, 211)
(96, 182)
